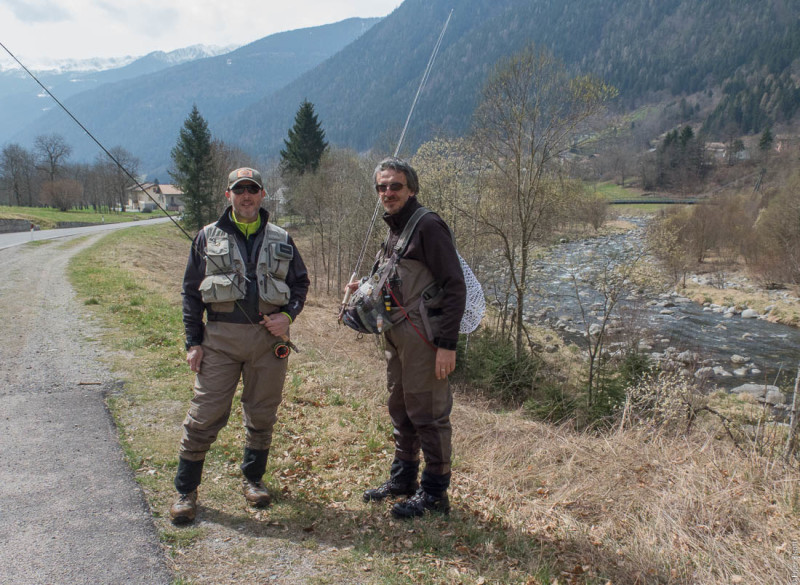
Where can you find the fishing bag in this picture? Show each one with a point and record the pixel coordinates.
(366, 311)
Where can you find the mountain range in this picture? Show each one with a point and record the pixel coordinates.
(362, 74)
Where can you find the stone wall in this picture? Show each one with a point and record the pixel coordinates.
(8, 226)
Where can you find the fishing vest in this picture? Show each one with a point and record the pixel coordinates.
(226, 270)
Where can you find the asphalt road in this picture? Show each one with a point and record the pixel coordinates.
(70, 510)
(18, 238)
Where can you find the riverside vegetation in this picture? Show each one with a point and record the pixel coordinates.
(647, 499)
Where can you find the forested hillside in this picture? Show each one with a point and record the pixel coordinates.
(144, 114)
(737, 58)
(650, 50)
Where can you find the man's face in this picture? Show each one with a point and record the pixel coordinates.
(245, 197)
(393, 190)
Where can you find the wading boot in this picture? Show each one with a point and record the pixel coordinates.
(430, 497)
(402, 482)
(256, 494)
(254, 465)
(184, 509)
(187, 478)
(420, 504)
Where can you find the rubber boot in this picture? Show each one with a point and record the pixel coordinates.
(402, 481)
(254, 465)
(430, 497)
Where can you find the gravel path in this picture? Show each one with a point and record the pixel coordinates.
(70, 510)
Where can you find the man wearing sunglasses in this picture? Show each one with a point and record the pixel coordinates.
(428, 294)
(246, 275)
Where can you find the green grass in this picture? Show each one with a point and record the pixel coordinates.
(47, 217)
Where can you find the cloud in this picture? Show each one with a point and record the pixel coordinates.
(33, 11)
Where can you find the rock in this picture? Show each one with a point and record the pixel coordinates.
(704, 373)
(688, 357)
(750, 314)
(738, 359)
(740, 372)
(722, 372)
(762, 392)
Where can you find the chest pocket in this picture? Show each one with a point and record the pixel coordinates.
(219, 256)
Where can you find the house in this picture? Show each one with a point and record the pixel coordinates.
(168, 197)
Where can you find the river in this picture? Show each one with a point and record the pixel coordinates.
(661, 320)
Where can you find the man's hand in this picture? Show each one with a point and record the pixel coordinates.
(194, 357)
(277, 324)
(445, 362)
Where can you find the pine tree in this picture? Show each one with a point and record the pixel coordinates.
(306, 142)
(193, 172)
(766, 140)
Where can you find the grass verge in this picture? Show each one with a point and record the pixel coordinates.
(532, 503)
(47, 217)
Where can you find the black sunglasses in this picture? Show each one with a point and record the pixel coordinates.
(383, 188)
(252, 189)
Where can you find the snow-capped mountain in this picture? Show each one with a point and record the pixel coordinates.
(58, 66)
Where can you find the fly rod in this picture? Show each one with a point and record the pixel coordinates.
(114, 159)
(423, 81)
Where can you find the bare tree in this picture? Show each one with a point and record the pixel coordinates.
(116, 178)
(62, 194)
(611, 278)
(17, 168)
(531, 113)
(337, 200)
(52, 151)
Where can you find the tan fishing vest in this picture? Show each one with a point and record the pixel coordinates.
(226, 269)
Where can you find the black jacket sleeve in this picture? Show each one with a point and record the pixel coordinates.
(298, 282)
(193, 305)
(440, 256)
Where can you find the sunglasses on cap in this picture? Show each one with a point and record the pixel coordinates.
(383, 188)
(252, 189)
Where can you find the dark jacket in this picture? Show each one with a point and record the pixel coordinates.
(245, 311)
(432, 244)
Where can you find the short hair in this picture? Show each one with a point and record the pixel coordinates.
(399, 166)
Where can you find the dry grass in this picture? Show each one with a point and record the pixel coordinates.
(533, 503)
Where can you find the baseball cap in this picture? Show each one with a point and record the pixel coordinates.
(244, 174)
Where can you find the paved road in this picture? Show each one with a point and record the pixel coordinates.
(70, 510)
(18, 238)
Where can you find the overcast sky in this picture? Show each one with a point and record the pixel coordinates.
(41, 31)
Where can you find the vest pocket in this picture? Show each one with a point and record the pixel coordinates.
(218, 252)
(273, 291)
(221, 288)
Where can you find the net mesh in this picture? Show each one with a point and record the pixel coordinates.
(476, 302)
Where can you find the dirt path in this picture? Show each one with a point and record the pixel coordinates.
(70, 510)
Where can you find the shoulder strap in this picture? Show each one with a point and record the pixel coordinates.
(408, 231)
(276, 233)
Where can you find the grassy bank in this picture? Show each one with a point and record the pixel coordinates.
(532, 503)
(48, 218)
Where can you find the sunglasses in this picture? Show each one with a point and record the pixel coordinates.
(252, 189)
(383, 188)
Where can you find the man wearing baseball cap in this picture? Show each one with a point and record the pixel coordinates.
(246, 275)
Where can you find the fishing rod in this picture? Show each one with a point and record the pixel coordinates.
(280, 351)
(423, 81)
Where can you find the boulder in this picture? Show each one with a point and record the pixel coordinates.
(762, 392)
